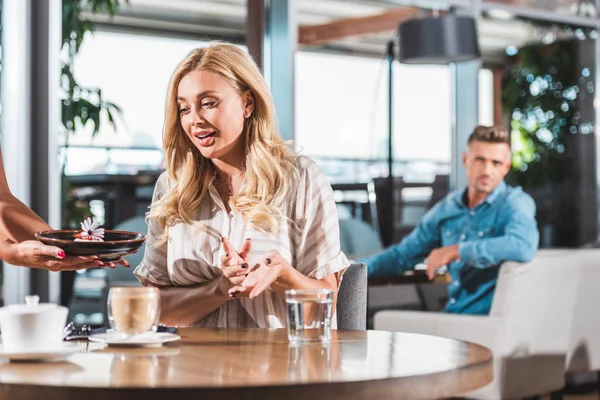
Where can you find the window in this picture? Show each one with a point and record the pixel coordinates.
(486, 97)
(133, 72)
(341, 113)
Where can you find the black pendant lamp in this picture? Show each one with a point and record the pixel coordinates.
(438, 40)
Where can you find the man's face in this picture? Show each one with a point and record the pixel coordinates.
(486, 165)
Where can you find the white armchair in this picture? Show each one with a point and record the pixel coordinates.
(584, 354)
(528, 328)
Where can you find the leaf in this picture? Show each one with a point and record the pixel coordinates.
(81, 103)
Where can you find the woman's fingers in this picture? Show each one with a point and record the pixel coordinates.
(50, 251)
(237, 281)
(246, 249)
(231, 271)
(77, 260)
(263, 284)
(237, 257)
(122, 262)
(253, 278)
(228, 247)
(273, 258)
(62, 266)
(239, 291)
(225, 259)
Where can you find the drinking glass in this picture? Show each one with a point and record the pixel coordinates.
(309, 315)
(133, 310)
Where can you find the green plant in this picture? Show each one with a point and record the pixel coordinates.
(542, 94)
(80, 105)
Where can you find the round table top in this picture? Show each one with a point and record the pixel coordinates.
(259, 363)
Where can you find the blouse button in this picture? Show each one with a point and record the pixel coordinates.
(480, 233)
(463, 237)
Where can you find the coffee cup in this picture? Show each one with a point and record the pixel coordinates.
(32, 327)
(133, 310)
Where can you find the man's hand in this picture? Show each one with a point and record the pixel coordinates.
(440, 257)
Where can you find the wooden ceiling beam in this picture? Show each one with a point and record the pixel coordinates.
(347, 27)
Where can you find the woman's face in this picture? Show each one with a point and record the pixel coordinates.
(212, 114)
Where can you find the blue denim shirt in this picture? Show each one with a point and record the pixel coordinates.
(500, 228)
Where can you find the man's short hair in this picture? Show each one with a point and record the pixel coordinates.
(490, 134)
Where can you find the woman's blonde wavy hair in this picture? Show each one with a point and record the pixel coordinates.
(269, 162)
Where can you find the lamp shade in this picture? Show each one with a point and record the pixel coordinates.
(440, 40)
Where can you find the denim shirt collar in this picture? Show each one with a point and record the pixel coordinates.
(460, 197)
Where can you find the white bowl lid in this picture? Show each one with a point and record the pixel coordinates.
(31, 306)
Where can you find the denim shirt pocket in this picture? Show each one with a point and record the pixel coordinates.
(484, 231)
(450, 235)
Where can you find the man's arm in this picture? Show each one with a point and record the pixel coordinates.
(410, 251)
(519, 242)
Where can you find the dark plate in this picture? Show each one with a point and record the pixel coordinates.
(116, 243)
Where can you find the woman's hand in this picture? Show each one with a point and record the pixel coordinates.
(234, 264)
(34, 254)
(261, 276)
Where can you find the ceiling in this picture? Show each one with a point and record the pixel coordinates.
(225, 19)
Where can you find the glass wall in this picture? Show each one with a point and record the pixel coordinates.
(133, 72)
(549, 92)
(342, 115)
(538, 78)
(582, 8)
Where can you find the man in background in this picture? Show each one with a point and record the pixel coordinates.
(473, 230)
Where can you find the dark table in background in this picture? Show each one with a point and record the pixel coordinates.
(120, 193)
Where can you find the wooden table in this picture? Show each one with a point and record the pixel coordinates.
(259, 364)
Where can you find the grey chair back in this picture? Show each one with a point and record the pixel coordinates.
(352, 299)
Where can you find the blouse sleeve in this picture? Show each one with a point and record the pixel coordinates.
(318, 252)
(153, 267)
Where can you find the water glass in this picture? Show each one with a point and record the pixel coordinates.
(309, 315)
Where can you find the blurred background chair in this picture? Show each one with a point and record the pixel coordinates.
(583, 359)
(528, 329)
(412, 199)
(358, 238)
(358, 200)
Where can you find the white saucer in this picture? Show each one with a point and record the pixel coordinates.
(64, 350)
(148, 339)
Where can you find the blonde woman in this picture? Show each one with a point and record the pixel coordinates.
(237, 218)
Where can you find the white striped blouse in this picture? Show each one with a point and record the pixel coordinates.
(310, 242)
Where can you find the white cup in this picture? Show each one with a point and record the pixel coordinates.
(32, 327)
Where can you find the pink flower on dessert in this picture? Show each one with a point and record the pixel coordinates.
(90, 230)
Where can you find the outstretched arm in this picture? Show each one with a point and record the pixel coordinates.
(412, 250)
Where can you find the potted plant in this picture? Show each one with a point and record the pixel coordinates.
(541, 95)
(80, 105)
